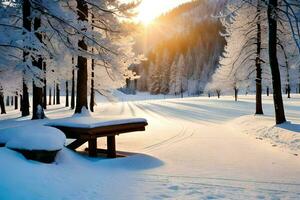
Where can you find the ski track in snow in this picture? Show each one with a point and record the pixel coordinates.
(197, 187)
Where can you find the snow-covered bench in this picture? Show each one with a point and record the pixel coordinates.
(88, 129)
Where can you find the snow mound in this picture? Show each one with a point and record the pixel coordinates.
(35, 137)
(286, 135)
(6, 134)
(84, 113)
(91, 122)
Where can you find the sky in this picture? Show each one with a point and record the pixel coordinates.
(150, 9)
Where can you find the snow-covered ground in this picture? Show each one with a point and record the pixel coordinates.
(193, 148)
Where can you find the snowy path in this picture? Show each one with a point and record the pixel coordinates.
(192, 150)
(204, 157)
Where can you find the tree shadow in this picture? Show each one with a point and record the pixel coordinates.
(133, 161)
(290, 126)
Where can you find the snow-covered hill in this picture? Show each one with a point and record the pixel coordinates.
(182, 47)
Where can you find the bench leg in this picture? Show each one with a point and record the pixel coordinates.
(92, 147)
(111, 147)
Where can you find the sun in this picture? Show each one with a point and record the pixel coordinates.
(148, 10)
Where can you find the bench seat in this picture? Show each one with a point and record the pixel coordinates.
(88, 129)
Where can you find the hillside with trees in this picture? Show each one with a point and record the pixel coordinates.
(183, 49)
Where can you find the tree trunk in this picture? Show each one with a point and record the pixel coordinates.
(57, 94)
(277, 95)
(45, 87)
(16, 102)
(54, 87)
(299, 79)
(82, 76)
(21, 100)
(73, 89)
(50, 97)
(67, 94)
(236, 90)
(7, 101)
(26, 25)
(218, 93)
(288, 84)
(2, 106)
(37, 92)
(259, 109)
(92, 101)
(288, 91)
(288, 87)
(25, 101)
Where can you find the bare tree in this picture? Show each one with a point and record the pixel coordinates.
(276, 80)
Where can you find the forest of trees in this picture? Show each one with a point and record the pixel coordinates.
(185, 58)
(260, 53)
(75, 45)
(86, 46)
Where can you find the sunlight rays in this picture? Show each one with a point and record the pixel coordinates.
(150, 9)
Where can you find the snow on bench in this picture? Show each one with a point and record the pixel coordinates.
(88, 129)
(91, 122)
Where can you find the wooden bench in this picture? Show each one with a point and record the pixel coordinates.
(91, 133)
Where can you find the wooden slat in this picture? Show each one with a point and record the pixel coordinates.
(77, 143)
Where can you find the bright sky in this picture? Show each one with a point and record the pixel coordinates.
(150, 9)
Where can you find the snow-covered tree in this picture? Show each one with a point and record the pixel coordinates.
(178, 78)
(50, 31)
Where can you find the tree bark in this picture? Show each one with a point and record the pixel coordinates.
(92, 101)
(259, 109)
(16, 102)
(67, 94)
(82, 76)
(25, 101)
(21, 100)
(54, 86)
(50, 97)
(57, 94)
(277, 95)
(45, 87)
(236, 91)
(37, 92)
(26, 25)
(2, 106)
(288, 86)
(218, 93)
(7, 101)
(73, 89)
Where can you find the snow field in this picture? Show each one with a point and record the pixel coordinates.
(193, 148)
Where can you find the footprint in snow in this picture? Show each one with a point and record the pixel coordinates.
(175, 187)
